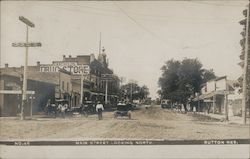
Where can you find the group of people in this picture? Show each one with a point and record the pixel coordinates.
(61, 108)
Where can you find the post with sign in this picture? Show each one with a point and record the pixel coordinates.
(106, 78)
(26, 45)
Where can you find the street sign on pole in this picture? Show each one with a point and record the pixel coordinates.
(26, 45)
(15, 92)
(26, 21)
(30, 44)
(106, 78)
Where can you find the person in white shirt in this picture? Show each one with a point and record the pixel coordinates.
(99, 109)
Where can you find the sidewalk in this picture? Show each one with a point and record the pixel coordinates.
(221, 117)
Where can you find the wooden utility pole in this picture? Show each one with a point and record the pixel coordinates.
(81, 89)
(244, 98)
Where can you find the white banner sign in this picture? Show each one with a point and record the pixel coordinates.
(15, 92)
(72, 67)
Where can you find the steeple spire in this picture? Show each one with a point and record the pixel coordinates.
(100, 43)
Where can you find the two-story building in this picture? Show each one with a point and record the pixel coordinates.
(214, 95)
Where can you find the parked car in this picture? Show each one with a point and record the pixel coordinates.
(166, 104)
(89, 106)
(123, 110)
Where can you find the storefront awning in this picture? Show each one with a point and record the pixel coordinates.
(208, 96)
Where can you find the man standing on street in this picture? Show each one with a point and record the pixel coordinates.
(99, 109)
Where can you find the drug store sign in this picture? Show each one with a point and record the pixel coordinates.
(72, 67)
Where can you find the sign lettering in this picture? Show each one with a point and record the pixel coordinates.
(72, 67)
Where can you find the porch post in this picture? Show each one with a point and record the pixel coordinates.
(214, 103)
(226, 106)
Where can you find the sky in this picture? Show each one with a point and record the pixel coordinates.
(139, 36)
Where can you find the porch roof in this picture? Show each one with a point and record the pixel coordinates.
(208, 95)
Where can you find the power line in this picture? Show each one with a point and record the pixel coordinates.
(140, 25)
(103, 12)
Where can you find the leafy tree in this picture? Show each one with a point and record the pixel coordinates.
(208, 75)
(181, 79)
(138, 93)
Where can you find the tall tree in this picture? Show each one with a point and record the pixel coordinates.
(208, 75)
(138, 93)
(181, 79)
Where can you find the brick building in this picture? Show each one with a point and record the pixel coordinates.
(93, 85)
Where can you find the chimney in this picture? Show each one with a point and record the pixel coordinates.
(38, 63)
(69, 56)
(6, 65)
(63, 57)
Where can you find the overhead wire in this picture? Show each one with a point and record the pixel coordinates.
(140, 25)
(154, 17)
(102, 12)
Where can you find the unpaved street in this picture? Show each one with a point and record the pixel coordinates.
(152, 123)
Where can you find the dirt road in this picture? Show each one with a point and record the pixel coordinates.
(152, 123)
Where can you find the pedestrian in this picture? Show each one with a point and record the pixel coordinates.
(61, 109)
(99, 109)
(194, 109)
(66, 108)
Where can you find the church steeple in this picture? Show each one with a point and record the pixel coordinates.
(102, 55)
(103, 58)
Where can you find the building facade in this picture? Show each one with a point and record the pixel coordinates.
(45, 85)
(59, 80)
(218, 94)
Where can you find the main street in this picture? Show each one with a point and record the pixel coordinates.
(151, 123)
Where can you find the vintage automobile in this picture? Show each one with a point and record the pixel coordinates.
(88, 108)
(59, 107)
(123, 110)
(166, 104)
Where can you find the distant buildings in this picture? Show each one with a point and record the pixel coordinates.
(59, 80)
